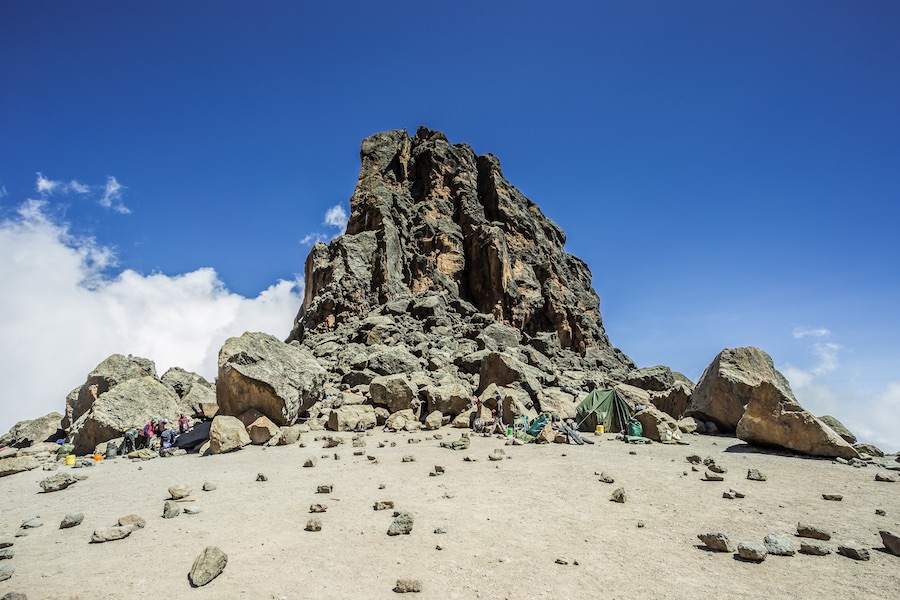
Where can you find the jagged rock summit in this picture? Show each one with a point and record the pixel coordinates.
(441, 250)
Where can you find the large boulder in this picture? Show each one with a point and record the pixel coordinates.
(502, 369)
(673, 401)
(450, 398)
(657, 425)
(114, 370)
(730, 382)
(262, 430)
(394, 392)
(227, 434)
(774, 418)
(554, 400)
(260, 371)
(839, 429)
(128, 404)
(197, 392)
(26, 433)
(348, 416)
(391, 360)
(18, 464)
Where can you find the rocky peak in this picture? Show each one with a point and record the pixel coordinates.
(431, 218)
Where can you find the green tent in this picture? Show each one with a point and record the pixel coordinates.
(603, 407)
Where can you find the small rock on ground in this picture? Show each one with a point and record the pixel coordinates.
(311, 461)
(71, 520)
(209, 487)
(752, 551)
(317, 508)
(384, 505)
(814, 547)
(314, 524)
(207, 566)
(755, 475)
(779, 545)
(132, 520)
(192, 510)
(405, 586)
(171, 510)
(833, 497)
(402, 524)
(324, 489)
(717, 541)
(110, 534)
(816, 532)
(891, 541)
(618, 495)
(6, 571)
(261, 477)
(177, 492)
(853, 550)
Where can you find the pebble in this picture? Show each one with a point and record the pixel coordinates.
(402, 524)
(833, 497)
(209, 487)
(261, 477)
(853, 550)
(171, 510)
(314, 524)
(755, 475)
(618, 495)
(71, 520)
(814, 547)
(717, 541)
(384, 505)
(405, 586)
(324, 489)
(753, 551)
(207, 566)
(813, 531)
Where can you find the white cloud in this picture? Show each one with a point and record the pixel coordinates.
(60, 315)
(3, 192)
(336, 216)
(110, 193)
(112, 196)
(312, 238)
(802, 332)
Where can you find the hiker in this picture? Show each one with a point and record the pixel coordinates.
(499, 408)
(184, 424)
(148, 434)
(129, 441)
(493, 425)
(167, 441)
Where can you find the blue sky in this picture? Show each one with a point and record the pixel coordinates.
(729, 170)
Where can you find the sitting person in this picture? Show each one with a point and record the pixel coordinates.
(493, 425)
(167, 441)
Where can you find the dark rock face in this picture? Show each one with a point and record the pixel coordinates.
(26, 433)
(443, 264)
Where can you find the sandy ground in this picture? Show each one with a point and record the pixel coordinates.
(507, 523)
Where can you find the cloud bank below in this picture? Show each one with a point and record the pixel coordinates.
(62, 313)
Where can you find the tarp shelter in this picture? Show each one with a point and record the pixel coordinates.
(603, 407)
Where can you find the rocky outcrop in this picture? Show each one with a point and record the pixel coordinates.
(730, 382)
(258, 371)
(774, 418)
(18, 464)
(445, 266)
(657, 425)
(116, 369)
(673, 401)
(652, 379)
(197, 392)
(128, 404)
(839, 429)
(26, 433)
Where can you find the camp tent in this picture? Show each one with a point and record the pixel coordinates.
(603, 407)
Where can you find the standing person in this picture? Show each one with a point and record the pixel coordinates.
(184, 424)
(129, 441)
(149, 433)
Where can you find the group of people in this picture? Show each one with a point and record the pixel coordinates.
(156, 434)
(492, 426)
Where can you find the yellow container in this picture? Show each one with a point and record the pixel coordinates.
(70, 460)
(599, 428)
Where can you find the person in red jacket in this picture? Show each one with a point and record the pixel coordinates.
(184, 424)
(148, 433)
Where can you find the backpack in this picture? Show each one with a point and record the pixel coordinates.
(634, 428)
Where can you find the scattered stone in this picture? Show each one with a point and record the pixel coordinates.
(109, 534)
(71, 520)
(886, 477)
(311, 461)
(561, 561)
(177, 492)
(494, 457)
(57, 482)
(813, 531)
(381, 486)
(384, 505)
(833, 497)
(6, 571)
(814, 547)
(716, 468)
(358, 452)
(618, 495)
(405, 586)
(402, 524)
(207, 566)
(314, 524)
(470, 459)
(261, 477)
(209, 487)
(891, 541)
(717, 541)
(171, 510)
(737, 494)
(7, 553)
(441, 530)
(132, 521)
(32, 523)
(14, 596)
(192, 510)
(324, 489)
(755, 475)
(779, 545)
(694, 459)
(337, 456)
(409, 458)
(710, 476)
(853, 550)
(752, 551)
(317, 508)
(606, 477)
(880, 512)
(728, 495)
(640, 524)
(7, 543)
